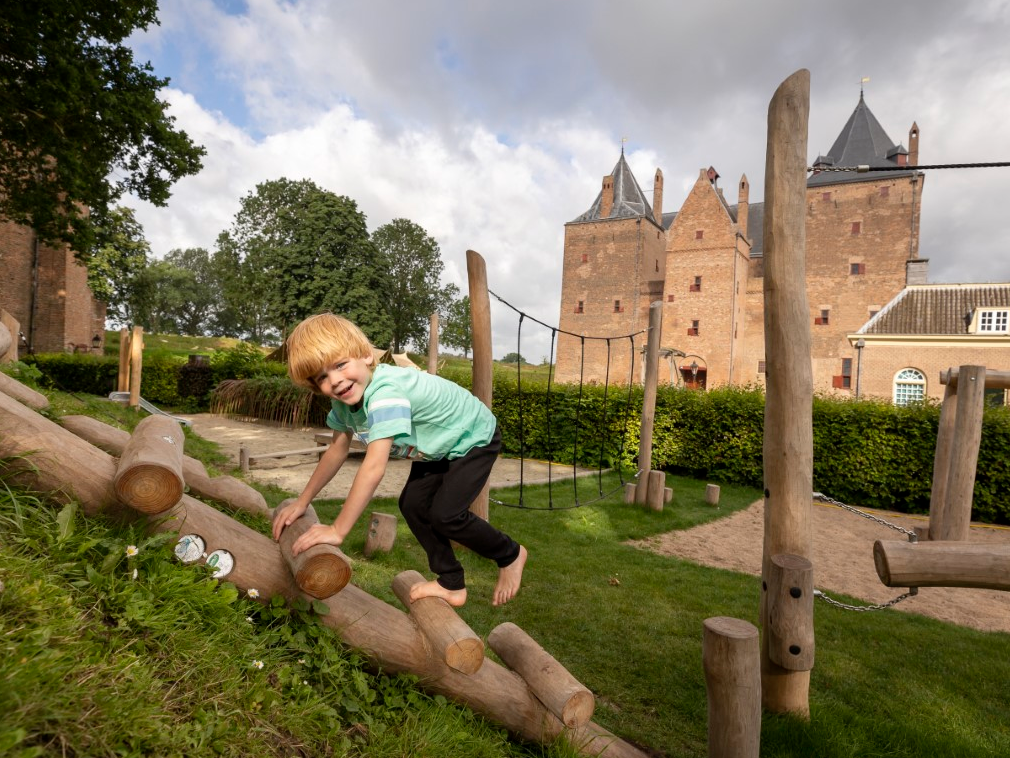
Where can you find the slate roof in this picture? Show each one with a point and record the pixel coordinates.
(862, 141)
(629, 200)
(921, 309)
(755, 226)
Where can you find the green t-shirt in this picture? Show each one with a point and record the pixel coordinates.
(427, 417)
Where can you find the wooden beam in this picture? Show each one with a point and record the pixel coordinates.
(954, 517)
(322, 570)
(483, 363)
(22, 392)
(942, 564)
(994, 380)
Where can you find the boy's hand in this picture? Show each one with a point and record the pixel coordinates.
(287, 516)
(318, 534)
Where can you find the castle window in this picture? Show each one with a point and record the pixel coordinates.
(991, 320)
(873, 312)
(696, 287)
(585, 257)
(885, 191)
(843, 381)
(580, 307)
(826, 196)
(856, 269)
(762, 367)
(909, 386)
(669, 298)
(699, 234)
(822, 320)
(694, 329)
(856, 227)
(617, 307)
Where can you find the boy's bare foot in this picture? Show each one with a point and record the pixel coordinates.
(509, 579)
(455, 598)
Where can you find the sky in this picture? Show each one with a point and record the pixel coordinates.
(492, 124)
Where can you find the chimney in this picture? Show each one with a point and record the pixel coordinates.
(657, 197)
(743, 207)
(913, 145)
(917, 271)
(607, 201)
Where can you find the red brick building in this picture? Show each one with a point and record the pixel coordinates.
(46, 289)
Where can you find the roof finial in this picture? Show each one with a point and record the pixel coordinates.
(862, 81)
(623, 140)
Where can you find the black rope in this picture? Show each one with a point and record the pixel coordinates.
(578, 411)
(507, 304)
(519, 390)
(863, 169)
(606, 389)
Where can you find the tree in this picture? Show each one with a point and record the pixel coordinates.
(457, 327)
(513, 358)
(160, 295)
(415, 266)
(117, 262)
(80, 121)
(196, 311)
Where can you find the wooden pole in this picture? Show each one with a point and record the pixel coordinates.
(320, 571)
(651, 380)
(942, 564)
(941, 459)
(149, 477)
(123, 379)
(564, 695)
(381, 533)
(483, 368)
(790, 601)
(433, 344)
(955, 509)
(22, 392)
(730, 656)
(136, 364)
(788, 433)
(994, 380)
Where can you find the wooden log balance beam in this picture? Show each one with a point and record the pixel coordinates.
(320, 571)
(22, 392)
(60, 463)
(149, 476)
(994, 380)
(942, 564)
(564, 695)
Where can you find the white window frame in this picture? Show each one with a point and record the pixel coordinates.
(909, 386)
(993, 320)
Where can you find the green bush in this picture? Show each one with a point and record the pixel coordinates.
(75, 372)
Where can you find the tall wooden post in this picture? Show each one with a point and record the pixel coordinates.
(788, 434)
(941, 459)
(954, 515)
(651, 379)
(123, 380)
(136, 362)
(480, 316)
(433, 344)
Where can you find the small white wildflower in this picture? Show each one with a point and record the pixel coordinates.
(131, 550)
(301, 661)
(253, 593)
(305, 682)
(257, 664)
(135, 574)
(249, 619)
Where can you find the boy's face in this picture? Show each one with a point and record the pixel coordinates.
(345, 379)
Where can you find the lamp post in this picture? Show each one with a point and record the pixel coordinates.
(860, 344)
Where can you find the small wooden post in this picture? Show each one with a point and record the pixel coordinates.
(730, 657)
(149, 477)
(656, 490)
(136, 364)
(433, 344)
(629, 492)
(790, 590)
(123, 379)
(954, 517)
(483, 367)
(564, 695)
(455, 642)
(243, 459)
(381, 533)
(651, 380)
(321, 570)
(712, 494)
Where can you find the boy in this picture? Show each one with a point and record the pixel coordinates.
(451, 437)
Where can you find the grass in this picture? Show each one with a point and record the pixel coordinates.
(175, 343)
(96, 663)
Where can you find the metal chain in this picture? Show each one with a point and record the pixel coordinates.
(912, 591)
(908, 533)
(864, 168)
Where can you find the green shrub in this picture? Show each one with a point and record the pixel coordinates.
(75, 372)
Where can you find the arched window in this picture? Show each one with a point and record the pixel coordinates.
(909, 386)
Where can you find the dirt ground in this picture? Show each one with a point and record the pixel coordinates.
(842, 542)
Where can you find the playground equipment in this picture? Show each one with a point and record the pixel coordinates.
(131, 362)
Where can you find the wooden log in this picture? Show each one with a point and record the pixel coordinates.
(629, 492)
(942, 564)
(136, 364)
(941, 457)
(667, 494)
(994, 380)
(712, 494)
(731, 659)
(123, 377)
(22, 392)
(317, 450)
(954, 517)
(381, 533)
(788, 435)
(149, 477)
(790, 630)
(483, 362)
(11, 354)
(651, 382)
(451, 639)
(320, 571)
(6, 340)
(564, 695)
(656, 487)
(433, 344)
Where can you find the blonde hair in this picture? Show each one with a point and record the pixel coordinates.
(320, 340)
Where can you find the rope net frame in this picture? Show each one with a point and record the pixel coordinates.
(609, 341)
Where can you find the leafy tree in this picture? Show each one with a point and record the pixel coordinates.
(117, 262)
(513, 358)
(456, 328)
(80, 120)
(161, 294)
(415, 266)
(195, 312)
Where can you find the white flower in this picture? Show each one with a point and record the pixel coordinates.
(249, 619)
(135, 574)
(257, 664)
(131, 550)
(305, 682)
(253, 593)
(302, 661)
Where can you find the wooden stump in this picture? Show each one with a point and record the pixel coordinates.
(629, 492)
(320, 571)
(790, 602)
(731, 659)
(656, 490)
(451, 639)
(149, 477)
(712, 494)
(564, 695)
(381, 534)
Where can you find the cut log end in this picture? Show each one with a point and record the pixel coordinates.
(465, 655)
(149, 488)
(579, 709)
(323, 575)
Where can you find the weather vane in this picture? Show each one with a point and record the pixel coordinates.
(623, 140)
(862, 81)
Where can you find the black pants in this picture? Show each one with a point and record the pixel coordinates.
(435, 503)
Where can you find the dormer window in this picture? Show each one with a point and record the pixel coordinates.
(993, 320)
